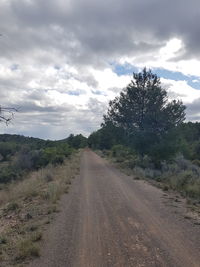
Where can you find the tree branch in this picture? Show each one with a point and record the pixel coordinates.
(7, 114)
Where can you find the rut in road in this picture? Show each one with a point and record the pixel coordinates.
(108, 219)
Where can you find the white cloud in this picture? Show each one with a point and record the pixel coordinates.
(181, 90)
(171, 49)
(55, 57)
(189, 96)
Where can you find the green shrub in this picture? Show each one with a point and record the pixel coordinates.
(7, 149)
(145, 162)
(122, 153)
(23, 161)
(196, 162)
(193, 190)
(119, 151)
(7, 174)
(12, 206)
(58, 159)
(131, 162)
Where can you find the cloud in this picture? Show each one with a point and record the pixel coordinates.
(56, 122)
(57, 57)
(193, 111)
(181, 90)
(90, 32)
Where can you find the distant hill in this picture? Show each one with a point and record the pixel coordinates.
(75, 141)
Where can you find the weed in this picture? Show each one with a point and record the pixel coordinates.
(36, 236)
(193, 190)
(52, 193)
(12, 206)
(27, 249)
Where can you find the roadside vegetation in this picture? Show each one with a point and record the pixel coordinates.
(34, 174)
(144, 132)
(180, 174)
(19, 155)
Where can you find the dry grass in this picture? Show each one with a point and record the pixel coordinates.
(28, 206)
(26, 249)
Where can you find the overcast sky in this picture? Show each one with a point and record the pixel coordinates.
(62, 61)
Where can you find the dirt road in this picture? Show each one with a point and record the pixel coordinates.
(109, 219)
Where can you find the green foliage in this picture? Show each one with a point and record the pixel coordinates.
(77, 141)
(12, 206)
(144, 113)
(35, 159)
(120, 151)
(143, 119)
(196, 162)
(7, 149)
(125, 156)
(22, 154)
(58, 159)
(8, 174)
(190, 140)
(165, 149)
(186, 182)
(180, 175)
(146, 132)
(106, 137)
(94, 140)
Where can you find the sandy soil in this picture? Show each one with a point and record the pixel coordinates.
(109, 219)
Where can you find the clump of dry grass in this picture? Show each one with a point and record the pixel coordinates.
(26, 249)
(53, 192)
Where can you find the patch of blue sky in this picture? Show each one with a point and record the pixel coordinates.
(98, 92)
(172, 75)
(74, 92)
(195, 85)
(128, 69)
(193, 81)
(125, 69)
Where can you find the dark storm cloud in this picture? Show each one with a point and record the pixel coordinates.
(90, 32)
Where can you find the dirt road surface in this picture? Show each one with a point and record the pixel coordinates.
(109, 219)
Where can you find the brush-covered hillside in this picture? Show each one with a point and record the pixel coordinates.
(20, 154)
